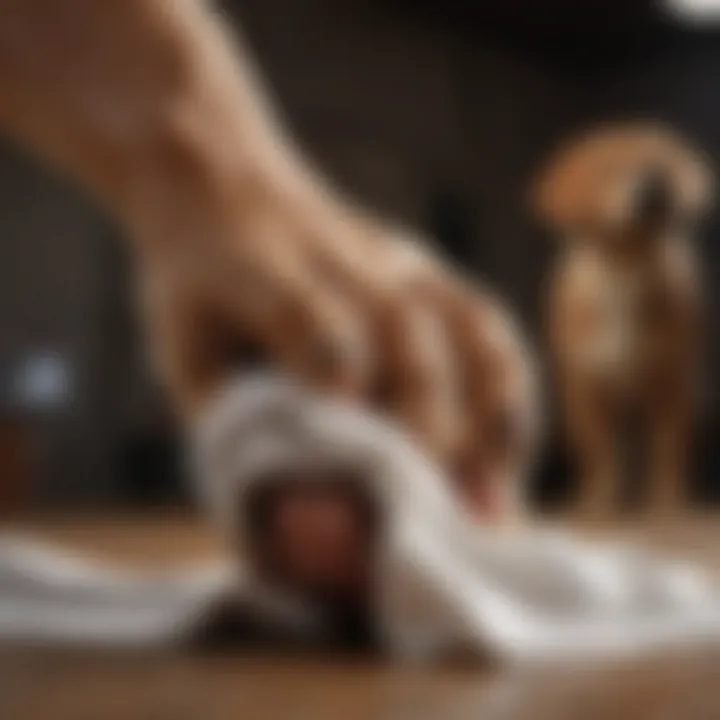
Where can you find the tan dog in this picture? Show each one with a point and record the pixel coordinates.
(241, 246)
(624, 305)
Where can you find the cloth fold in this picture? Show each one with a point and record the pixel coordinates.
(51, 596)
(443, 581)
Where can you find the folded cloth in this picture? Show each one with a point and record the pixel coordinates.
(50, 596)
(442, 582)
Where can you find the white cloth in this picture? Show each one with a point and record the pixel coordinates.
(48, 596)
(444, 582)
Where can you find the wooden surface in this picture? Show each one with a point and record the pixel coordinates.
(40, 685)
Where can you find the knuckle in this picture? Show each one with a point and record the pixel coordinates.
(339, 357)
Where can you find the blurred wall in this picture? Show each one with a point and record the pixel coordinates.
(65, 362)
(435, 117)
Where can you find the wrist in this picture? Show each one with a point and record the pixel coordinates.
(193, 178)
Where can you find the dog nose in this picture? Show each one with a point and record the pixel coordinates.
(653, 197)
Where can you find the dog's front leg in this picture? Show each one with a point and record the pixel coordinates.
(594, 442)
(669, 446)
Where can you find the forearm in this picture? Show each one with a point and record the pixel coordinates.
(143, 101)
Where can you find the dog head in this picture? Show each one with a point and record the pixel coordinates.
(623, 186)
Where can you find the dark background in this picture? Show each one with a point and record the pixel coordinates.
(436, 113)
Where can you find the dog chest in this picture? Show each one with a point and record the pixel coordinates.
(620, 297)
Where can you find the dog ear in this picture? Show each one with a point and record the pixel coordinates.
(574, 190)
(563, 193)
(674, 182)
(694, 177)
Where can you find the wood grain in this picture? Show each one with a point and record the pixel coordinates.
(40, 685)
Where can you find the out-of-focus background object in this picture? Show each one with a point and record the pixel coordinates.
(16, 464)
(624, 309)
(437, 113)
(694, 10)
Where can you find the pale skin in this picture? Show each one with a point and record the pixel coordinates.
(237, 241)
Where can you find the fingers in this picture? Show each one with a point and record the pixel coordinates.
(497, 376)
(400, 332)
(188, 345)
(416, 378)
(224, 314)
(308, 328)
(459, 377)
